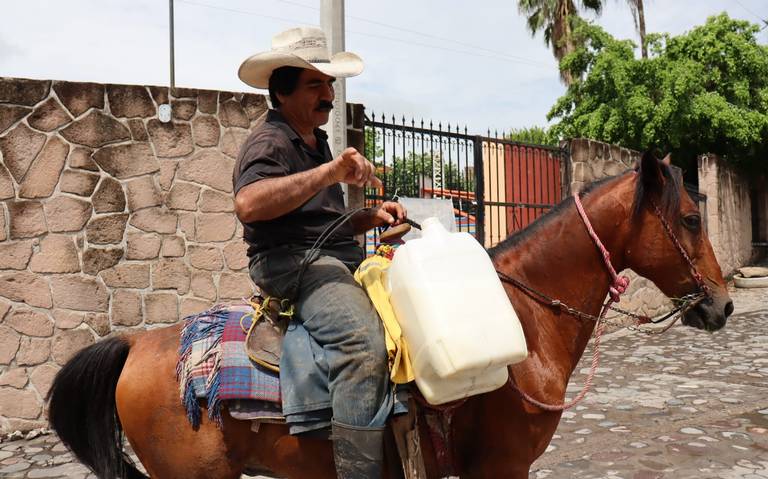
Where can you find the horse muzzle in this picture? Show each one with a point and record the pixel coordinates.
(709, 314)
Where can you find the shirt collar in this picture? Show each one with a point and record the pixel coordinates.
(277, 119)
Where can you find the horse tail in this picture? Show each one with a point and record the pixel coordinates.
(82, 409)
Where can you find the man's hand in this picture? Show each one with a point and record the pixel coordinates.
(352, 168)
(389, 213)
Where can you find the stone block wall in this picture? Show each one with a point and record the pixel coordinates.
(590, 161)
(729, 212)
(109, 220)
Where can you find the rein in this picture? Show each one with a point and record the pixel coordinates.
(618, 286)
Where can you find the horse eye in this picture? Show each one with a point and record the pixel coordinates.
(692, 222)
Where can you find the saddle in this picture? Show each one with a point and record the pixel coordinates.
(264, 339)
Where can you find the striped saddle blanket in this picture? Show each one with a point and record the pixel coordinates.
(213, 366)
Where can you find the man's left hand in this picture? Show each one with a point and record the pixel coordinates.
(389, 213)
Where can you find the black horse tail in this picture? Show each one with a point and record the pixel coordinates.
(83, 413)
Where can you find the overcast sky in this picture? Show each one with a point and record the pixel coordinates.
(472, 63)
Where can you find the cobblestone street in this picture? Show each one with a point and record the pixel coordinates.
(686, 404)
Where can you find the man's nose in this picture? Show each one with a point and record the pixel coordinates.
(327, 93)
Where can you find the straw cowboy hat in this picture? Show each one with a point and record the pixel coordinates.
(303, 47)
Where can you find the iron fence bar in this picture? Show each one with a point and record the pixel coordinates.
(477, 145)
(421, 174)
(383, 124)
(384, 157)
(432, 160)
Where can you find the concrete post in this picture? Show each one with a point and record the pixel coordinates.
(332, 23)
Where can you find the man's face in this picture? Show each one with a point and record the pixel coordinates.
(311, 102)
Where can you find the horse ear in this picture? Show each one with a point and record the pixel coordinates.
(650, 171)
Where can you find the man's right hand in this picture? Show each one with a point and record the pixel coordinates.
(353, 168)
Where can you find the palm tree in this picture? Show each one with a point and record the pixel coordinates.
(553, 17)
(638, 15)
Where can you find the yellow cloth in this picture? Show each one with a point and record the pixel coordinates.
(372, 275)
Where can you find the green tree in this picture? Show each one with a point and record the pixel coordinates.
(408, 175)
(555, 19)
(703, 91)
(534, 135)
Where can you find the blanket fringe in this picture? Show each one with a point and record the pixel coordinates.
(202, 325)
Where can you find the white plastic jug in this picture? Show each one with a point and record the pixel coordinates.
(458, 322)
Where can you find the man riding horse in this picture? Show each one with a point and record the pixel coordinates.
(287, 195)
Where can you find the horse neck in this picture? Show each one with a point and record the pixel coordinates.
(562, 261)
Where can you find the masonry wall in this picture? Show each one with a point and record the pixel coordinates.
(110, 220)
(729, 212)
(592, 160)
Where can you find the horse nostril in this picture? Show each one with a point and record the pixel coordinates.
(728, 308)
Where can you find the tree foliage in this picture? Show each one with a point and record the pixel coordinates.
(534, 135)
(554, 18)
(408, 175)
(703, 91)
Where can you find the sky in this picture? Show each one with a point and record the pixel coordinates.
(468, 63)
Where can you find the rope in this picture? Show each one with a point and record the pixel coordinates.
(584, 390)
(618, 287)
(619, 284)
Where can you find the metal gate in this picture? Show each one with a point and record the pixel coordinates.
(497, 186)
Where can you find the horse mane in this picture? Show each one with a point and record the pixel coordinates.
(669, 197)
(669, 192)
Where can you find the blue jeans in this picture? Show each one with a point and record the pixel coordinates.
(339, 317)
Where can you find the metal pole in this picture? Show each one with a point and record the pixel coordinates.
(173, 73)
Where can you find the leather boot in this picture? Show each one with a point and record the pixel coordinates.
(357, 451)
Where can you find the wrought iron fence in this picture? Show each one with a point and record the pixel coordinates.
(497, 186)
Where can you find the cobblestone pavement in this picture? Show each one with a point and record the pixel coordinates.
(686, 404)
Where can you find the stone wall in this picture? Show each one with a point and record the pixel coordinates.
(729, 212)
(592, 160)
(110, 220)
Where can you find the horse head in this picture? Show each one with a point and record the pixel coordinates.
(668, 245)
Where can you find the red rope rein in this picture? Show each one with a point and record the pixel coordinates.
(619, 285)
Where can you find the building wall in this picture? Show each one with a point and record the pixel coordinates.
(111, 220)
(729, 212)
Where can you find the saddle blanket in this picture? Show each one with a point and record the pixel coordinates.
(214, 366)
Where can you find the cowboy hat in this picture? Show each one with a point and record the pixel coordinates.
(303, 47)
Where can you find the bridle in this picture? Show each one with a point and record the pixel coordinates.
(618, 286)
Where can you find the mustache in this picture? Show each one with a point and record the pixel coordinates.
(324, 105)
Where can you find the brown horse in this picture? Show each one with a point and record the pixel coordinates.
(129, 382)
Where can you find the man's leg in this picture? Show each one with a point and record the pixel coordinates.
(338, 314)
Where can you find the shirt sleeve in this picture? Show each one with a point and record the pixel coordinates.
(262, 159)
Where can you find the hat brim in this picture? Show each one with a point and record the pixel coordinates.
(256, 70)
